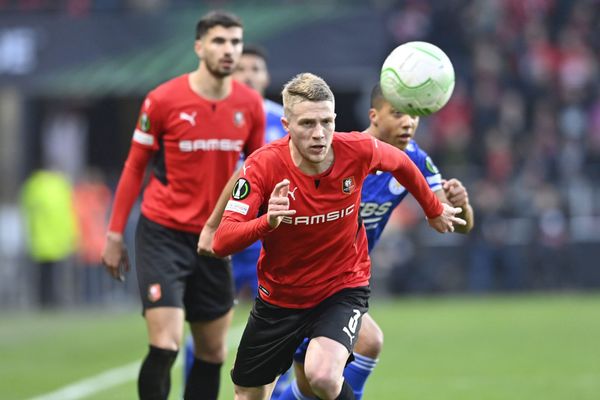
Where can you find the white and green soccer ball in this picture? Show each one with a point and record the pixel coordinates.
(417, 78)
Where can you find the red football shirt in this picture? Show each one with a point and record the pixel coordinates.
(195, 144)
(322, 249)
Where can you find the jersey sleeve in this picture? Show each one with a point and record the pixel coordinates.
(256, 139)
(239, 226)
(428, 169)
(144, 143)
(149, 125)
(129, 186)
(388, 158)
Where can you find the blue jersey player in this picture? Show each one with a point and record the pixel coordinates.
(380, 195)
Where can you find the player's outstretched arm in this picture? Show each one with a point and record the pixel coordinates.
(446, 221)
(458, 196)
(205, 241)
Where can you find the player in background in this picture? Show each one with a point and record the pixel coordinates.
(381, 194)
(251, 70)
(193, 129)
(296, 194)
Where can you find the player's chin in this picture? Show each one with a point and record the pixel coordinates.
(223, 72)
(401, 144)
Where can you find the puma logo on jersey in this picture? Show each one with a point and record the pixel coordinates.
(292, 193)
(191, 118)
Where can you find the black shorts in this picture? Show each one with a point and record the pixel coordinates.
(273, 333)
(171, 274)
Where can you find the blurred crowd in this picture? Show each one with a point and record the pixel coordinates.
(522, 130)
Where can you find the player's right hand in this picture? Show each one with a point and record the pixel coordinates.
(205, 241)
(114, 256)
(445, 222)
(279, 204)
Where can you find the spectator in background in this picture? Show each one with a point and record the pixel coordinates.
(92, 202)
(47, 205)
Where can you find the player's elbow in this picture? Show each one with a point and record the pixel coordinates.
(219, 249)
(219, 246)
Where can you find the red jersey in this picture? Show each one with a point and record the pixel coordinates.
(196, 144)
(322, 249)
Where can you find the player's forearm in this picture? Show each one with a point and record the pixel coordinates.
(233, 236)
(215, 217)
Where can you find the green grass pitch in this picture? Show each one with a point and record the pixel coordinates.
(481, 348)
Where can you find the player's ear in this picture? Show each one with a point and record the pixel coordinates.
(286, 124)
(373, 116)
(198, 47)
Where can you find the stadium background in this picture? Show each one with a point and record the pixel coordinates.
(522, 131)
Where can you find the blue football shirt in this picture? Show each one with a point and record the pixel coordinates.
(381, 193)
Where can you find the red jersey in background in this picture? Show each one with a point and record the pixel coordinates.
(195, 144)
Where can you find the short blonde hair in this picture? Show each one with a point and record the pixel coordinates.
(304, 87)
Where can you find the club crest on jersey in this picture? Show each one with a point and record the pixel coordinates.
(238, 118)
(348, 185)
(241, 189)
(431, 166)
(154, 292)
(395, 187)
(144, 122)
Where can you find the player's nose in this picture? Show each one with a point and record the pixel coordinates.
(319, 132)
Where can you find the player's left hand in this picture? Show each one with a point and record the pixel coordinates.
(455, 192)
(205, 241)
(446, 221)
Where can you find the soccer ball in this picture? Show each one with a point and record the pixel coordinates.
(417, 78)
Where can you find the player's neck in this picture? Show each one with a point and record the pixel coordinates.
(209, 86)
(371, 130)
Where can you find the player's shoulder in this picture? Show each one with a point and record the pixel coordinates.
(413, 150)
(166, 90)
(270, 151)
(353, 142)
(351, 137)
